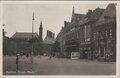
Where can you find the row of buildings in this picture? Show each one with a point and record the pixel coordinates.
(92, 34)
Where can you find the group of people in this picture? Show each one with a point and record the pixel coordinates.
(18, 55)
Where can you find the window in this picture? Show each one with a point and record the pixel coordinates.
(97, 35)
(106, 34)
(77, 35)
(88, 39)
(88, 33)
(110, 33)
(85, 32)
(102, 35)
(94, 36)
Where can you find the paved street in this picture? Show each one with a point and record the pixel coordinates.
(43, 65)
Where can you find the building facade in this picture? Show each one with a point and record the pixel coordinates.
(48, 43)
(23, 41)
(104, 35)
(80, 34)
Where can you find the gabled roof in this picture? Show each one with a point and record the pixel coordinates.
(79, 16)
(49, 40)
(96, 13)
(22, 35)
(109, 12)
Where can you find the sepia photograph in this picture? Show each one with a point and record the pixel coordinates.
(59, 38)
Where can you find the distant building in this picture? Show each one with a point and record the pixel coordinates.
(22, 42)
(61, 39)
(40, 32)
(48, 43)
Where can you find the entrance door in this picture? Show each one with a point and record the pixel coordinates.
(85, 55)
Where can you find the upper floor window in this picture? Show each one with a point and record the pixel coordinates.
(88, 39)
(97, 35)
(101, 35)
(106, 34)
(110, 33)
(77, 35)
(94, 36)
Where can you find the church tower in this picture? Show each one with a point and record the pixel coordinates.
(73, 12)
(40, 31)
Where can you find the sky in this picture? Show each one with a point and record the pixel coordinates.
(17, 16)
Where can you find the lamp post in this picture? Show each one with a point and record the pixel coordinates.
(3, 30)
(32, 39)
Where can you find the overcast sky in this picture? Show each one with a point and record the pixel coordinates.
(17, 16)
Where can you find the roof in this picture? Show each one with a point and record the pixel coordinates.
(94, 16)
(23, 35)
(49, 40)
(77, 17)
(97, 13)
(110, 12)
(80, 16)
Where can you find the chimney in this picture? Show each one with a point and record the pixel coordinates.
(47, 33)
(65, 23)
(53, 35)
(89, 13)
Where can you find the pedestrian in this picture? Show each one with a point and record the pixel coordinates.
(27, 55)
(50, 56)
(17, 61)
(21, 53)
(27, 59)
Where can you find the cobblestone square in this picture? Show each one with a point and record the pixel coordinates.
(43, 65)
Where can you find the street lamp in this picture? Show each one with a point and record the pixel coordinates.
(32, 39)
(3, 30)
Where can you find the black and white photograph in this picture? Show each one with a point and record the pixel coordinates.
(59, 38)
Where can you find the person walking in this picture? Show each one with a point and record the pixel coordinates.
(27, 59)
(21, 53)
(17, 62)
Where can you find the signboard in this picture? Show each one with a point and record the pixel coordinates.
(75, 55)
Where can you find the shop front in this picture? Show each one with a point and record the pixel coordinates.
(85, 51)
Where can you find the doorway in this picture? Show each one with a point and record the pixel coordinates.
(85, 54)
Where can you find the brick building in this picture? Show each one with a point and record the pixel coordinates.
(78, 35)
(104, 34)
(22, 42)
(48, 42)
